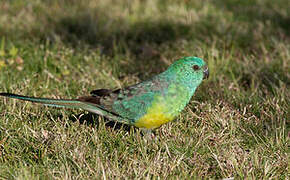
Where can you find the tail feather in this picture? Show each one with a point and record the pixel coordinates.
(45, 101)
(68, 103)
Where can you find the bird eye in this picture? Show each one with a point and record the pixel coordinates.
(195, 67)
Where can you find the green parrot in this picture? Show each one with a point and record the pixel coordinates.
(148, 104)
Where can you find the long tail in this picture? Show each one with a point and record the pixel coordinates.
(69, 103)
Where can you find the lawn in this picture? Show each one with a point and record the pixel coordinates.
(236, 125)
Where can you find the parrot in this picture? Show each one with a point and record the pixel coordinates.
(148, 104)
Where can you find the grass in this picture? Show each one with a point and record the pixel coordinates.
(237, 124)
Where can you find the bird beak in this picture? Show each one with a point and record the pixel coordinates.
(205, 72)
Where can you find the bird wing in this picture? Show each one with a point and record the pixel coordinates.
(131, 102)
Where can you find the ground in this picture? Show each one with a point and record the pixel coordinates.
(236, 125)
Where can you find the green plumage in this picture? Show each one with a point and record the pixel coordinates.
(155, 101)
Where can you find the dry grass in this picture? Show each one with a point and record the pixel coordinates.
(237, 124)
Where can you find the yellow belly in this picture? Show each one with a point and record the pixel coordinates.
(154, 118)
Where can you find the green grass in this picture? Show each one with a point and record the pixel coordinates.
(237, 124)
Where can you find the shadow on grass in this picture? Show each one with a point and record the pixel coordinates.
(144, 41)
(140, 40)
(250, 11)
(95, 32)
(91, 119)
(268, 77)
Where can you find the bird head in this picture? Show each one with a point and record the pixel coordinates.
(190, 70)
